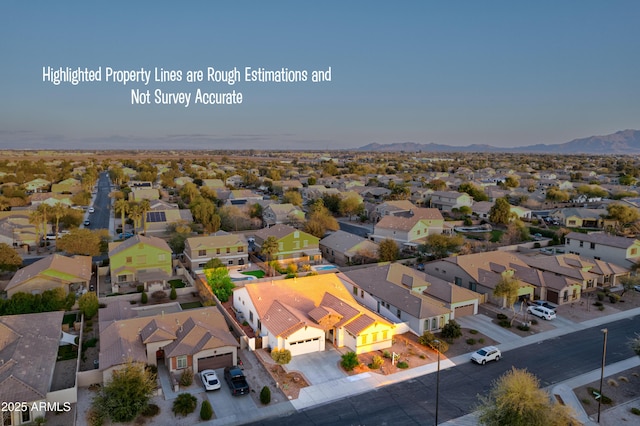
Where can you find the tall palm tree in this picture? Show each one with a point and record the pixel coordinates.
(58, 211)
(121, 206)
(36, 218)
(145, 206)
(45, 210)
(135, 214)
(269, 248)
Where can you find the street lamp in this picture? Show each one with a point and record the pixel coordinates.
(437, 380)
(604, 354)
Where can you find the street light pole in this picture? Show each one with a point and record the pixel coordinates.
(437, 381)
(604, 354)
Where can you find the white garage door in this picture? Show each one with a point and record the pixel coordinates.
(305, 346)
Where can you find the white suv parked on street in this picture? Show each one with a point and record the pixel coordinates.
(488, 353)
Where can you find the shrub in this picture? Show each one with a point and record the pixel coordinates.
(186, 379)
(376, 362)
(601, 308)
(402, 364)
(534, 321)
(349, 361)
(614, 298)
(600, 295)
(281, 356)
(481, 340)
(140, 288)
(184, 404)
(501, 316)
(523, 327)
(451, 330)
(471, 341)
(386, 354)
(265, 395)
(174, 294)
(597, 303)
(635, 411)
(472, 331)
(428, 339)
(150, 410)
(612, 382)
(206, 411)
(504, 323)
(144, 298)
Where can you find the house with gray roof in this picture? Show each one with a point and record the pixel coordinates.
(231, 249)
(344, 248)
(282, 213)
(621, 251)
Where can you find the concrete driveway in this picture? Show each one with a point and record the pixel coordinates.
(317, 367)
(226, 405)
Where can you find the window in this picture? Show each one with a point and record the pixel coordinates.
(458, 281)
(364, 339)
(472, 286)
(434, 323)
(240, 249)
(565, 296)
(592, 246)
(581, 243)
(228, 249)
(122, 278)
(241, 262)
(634, 251)
(296, 234)
(305, 243)
(129, 259)
(575, 294)
(280, 246)
(217, 251)
(231, 262)
(202, 252)
(251, 316)
(374, 337)
(361, 293)
(355, 290)
(568, 241)
(384, 335)
(6, 418)
(398, 313)
(26, 416)
(161, 257)
(181, 361)
(296, 245)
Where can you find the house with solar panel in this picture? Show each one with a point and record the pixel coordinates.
(162, 214)
(140, 260)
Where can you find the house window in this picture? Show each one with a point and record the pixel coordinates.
(305, 243)
(241, 262)
(26, 416)
(581, 243)
(592, 246)
(228, 249)
(384, 335)
(181, 362)
(217, 251)
(161, 257)
(565, 296)
(122, 278)
(231, 262)
(434, 323)
(575, 294)
(374, 337)
(280, 246)
(472, 286)
(364, 339)
(296, 245)
(398, 313)
(355, 290)
(251, 316)
(202, 253)
(6, 418)
(296, 234)
(240, 249)
(568, 241)
(458, 281)
(361, 293)
(129, 259)
(634, 251)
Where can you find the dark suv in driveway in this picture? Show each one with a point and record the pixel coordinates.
(236, 381)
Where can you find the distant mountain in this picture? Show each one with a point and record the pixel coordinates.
(622, 142)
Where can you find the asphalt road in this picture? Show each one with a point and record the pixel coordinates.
(413, 402)
(100, 218)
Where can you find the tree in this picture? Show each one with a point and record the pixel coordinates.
(500, 212)
(126, 394)
(265, 395)
(292, 197)
(623, 215)
(121, 206)
(204, 211)
(517, 400)
(628, 282)
(145, 206)
(173, 294)
(441, 245)
(388, 251)
(351, 205)
(507, 288)
(89, 304)
(511, 182)
(451, 330)
(320, 220)
(476, 193)
(184, 404)
(10, 260)
(557, 195)
(135, 214)
(80, 241)
(36, 218)
(206, 411)
(268, 249)
(220, 283)
(58, 211)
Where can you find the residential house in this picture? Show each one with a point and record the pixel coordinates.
(390, 208)
(282, 213)
(344, 248)
(29, 346)
(72, 274)
(409, 229)
(294, 246)
(140, 259)
(581, 217)
(282, 186)
(446, 201)
(16, 230)
(67, 186)
(213, 183)
(182, 181)
(162, 214)
(301, 314)
(51, 199)
(230, 249)
(242, 197)
(143, 193)
(234, 181)
(481, 272)
(400, 294)
(313, 192)
(37, 185)
(621, 251)
(195, 339)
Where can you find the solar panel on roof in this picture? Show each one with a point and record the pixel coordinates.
(156, 217)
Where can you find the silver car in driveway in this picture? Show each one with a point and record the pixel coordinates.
(210, 380)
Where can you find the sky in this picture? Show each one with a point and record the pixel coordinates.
(502, 73)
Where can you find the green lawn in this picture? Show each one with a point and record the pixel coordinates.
(178, 283)
(69, 319)
(496, 235)
(190, 305)
(258, 273)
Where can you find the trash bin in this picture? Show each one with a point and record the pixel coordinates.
(95, 364)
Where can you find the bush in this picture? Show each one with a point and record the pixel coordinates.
(593, 392)
(472, 331)
(501, 316)
(140, 288)
(534, 321)
(376, 362)
(174, 294)
(206, 411)
(481, 340)
(471, 341)
(186, 379)
(635, 411)
(387, 354)
(150, 410)
(265, 395)
(144, 298)
(614, 298)
(402, 364)
(600, 295)
(523, 327)
(349, 361)
(504, 323)
(597, 303)
(184, 404)
(281, 356)
(601, 308)
(428, 339)
(451, 330)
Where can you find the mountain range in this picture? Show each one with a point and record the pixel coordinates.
(622, 142)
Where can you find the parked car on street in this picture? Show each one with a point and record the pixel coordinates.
(91, 210)
(636, 287)
(210, 380)
(486, 354)
(542, 312)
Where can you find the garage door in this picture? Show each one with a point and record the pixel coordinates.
(215, 361)
(463, 311)
(552, 296)
(305, 346)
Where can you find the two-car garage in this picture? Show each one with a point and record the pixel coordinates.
(215, 361)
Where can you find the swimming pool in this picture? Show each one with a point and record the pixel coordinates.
(323, 267)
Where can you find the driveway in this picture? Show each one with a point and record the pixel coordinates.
(317, 367)
(226, 405)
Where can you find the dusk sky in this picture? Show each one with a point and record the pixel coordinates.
(502, 73)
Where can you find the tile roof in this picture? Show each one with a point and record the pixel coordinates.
(345, 242)
(78, 268)
(604, 239)
(119, 247)
(279, 231)
(214, 241)
(28, 349)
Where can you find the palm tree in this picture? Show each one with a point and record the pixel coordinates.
(45, 210)
(58, 211)
(269, 248)
(145, 206)
(135, 214)
(36, 218)
(121, 206)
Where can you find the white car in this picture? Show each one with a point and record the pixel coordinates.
(91, 210)
(488, 353)
(542, 312)
(210, 380)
